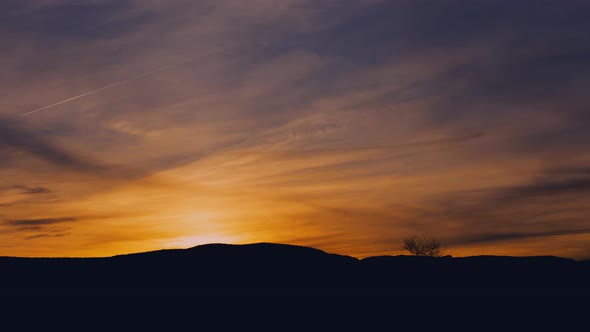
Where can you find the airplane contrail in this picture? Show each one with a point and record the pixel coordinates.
(151, 72)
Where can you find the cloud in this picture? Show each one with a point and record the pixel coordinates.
(498, 237)
(45, 235)
(40, 222)
(33, 190)
(20, 194)
(442, 142)
(18, 137)
(548, 204)
(513, 64)
(553, 183)
(66, 21)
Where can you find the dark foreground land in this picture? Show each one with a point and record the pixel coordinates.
(265, 268)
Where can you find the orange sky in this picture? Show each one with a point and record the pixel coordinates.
(345, 126)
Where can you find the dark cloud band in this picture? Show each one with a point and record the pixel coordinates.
(40, 222)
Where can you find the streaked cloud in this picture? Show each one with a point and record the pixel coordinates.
(18, 139)
(34, 190)
(39, 222)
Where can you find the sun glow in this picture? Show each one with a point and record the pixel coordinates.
(195, 240)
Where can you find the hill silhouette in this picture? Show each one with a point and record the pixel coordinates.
(215, 268)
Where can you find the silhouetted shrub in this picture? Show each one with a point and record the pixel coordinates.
(423, 246)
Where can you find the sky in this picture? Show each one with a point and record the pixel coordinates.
(344, 125)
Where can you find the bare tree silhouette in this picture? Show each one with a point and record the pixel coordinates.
(423, 246)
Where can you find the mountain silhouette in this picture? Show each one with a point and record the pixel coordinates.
(264, 267)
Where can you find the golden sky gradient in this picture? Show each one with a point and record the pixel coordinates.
(341, 125)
